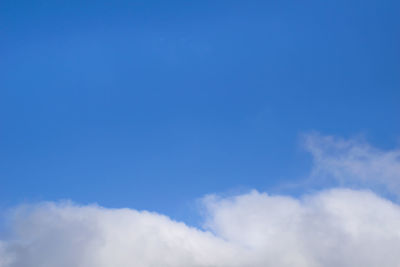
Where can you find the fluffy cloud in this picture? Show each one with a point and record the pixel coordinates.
(336, 227)
(332, 228)
(68, 235)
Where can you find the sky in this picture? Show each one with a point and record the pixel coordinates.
(182, 115)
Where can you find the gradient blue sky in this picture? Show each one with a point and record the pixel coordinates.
(152, 104)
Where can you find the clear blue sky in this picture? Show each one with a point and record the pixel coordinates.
(152, 104)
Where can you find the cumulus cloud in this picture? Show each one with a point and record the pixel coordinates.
(338, 227)
(68, 235)
(330, 228)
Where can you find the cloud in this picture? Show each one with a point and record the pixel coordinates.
(354, 163)
(338, 227)
(330, 228)
(64, 234)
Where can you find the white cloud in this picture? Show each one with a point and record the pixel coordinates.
(338, 227)
(68, 235)
(354, 163)
(330, 228)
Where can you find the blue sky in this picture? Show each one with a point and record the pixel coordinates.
(153, 104)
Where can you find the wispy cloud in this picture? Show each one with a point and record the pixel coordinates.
(333, 227)
(354, 163)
